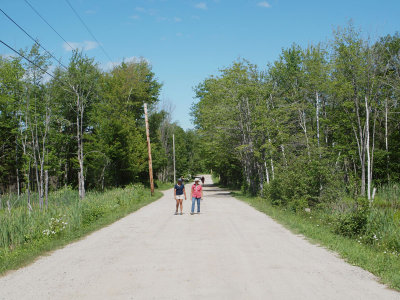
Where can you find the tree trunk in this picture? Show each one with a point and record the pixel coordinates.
(17, 171)
(373, 146)
(317, 116)
(36, 166)
(283, 155)
(29, 187)
(386, 140)
(361, 144)
(79, 137)
(42, 156)
(79, 185)
(367, 148)
(46, 189)
(272, 169)
(303, 125)
(272, 161)
(266, 171)
(66, 174)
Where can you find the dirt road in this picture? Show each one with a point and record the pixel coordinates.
(229, 251)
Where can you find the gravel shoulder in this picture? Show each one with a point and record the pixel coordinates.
(228, 251)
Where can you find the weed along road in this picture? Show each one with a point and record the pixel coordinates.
(228, 251)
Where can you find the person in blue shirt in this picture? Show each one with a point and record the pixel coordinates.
(179, 192)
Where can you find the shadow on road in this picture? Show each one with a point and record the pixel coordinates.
(212, 190)
(221, 194)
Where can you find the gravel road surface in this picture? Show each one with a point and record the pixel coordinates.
(228, 251)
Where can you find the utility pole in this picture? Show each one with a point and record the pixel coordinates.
(173, 150)
(149, 150)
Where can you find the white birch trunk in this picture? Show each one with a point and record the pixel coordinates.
(373, 146)
(283, 154)
(303, 125)
(29, 188)
(46, 189)
(272, 161)
(367, 148)
(317, 116)
(386, 139)
(272, 169)
(266, 171)
(79, 137)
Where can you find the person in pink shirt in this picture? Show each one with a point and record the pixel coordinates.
(196, 193)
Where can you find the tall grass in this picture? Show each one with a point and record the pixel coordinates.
(25, 233)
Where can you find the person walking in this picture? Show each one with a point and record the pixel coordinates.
(179, 192)
(196, 194)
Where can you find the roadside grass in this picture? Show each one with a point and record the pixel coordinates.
(385, 266)
(25, 236)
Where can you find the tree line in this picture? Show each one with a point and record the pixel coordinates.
(318, 123)
(83, 127)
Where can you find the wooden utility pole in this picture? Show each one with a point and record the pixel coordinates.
(173, 151)
(149, 150)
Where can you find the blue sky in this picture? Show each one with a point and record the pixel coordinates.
(187, 41)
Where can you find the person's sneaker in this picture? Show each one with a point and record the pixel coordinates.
(176, 213)
(191, 213)
(181, 213)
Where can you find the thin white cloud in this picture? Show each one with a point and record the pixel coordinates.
(135, 17)
(153, 12)
(85, 45)
(140, 9)
(89, 45)
(176, 19)
(264, 4)
(201, 5)
(91, 12)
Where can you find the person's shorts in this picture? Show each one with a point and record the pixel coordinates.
(180, 197)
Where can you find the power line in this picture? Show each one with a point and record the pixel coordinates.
(12, 49)
(87, 28)
(37, 66)
(44, 20)
(35, 41)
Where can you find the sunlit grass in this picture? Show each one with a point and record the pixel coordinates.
(26, 234)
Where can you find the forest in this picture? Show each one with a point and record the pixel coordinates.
(316, 133)
(319, 122)
(83, 127)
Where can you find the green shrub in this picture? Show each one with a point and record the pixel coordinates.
(305, 183)
(274, 192)
(354, 221)
(298, 205)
